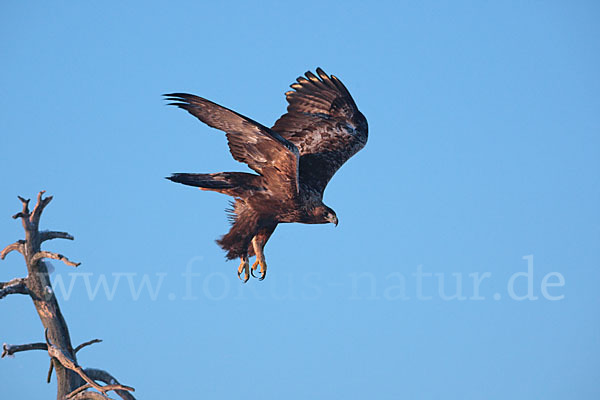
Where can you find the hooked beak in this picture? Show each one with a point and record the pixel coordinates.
(333, 219)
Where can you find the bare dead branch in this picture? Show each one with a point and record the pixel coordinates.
(12, 282)
(69, 363)
(25, 213)
(105, 377)
(87, 386)
(39, 207)
(85, 395)
(79, 390)
(50, 369)
(15, 286)
(16, 246)
(33, 218)
(89, 342)
(81, 346)
(49, 235)
(25, 204)
(56, 256)
(10, 349)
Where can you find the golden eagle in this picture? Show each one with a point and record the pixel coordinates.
(294, 160)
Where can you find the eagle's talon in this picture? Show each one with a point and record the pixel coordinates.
(254, 268)
(258, 244)
(263, 269)
(244, 267)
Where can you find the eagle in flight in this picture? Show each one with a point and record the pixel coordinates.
(293, 160)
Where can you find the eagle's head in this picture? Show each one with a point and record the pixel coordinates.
(324, 215)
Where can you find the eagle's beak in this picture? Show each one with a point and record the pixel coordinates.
(333, 219)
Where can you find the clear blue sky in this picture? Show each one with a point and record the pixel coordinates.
(484, 149)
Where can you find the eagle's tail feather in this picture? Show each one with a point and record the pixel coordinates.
(223, 182)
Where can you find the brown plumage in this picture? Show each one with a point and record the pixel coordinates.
(294, 160)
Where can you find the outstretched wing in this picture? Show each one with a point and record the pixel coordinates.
(264, 150)
(324, 123)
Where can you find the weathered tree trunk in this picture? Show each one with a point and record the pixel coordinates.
(70, 377)
(42, 294)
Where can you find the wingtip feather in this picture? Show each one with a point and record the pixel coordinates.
(322, 73)
(312, 76)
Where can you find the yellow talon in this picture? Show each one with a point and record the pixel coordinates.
(263, 268)
(244, 267)
(258, 246)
